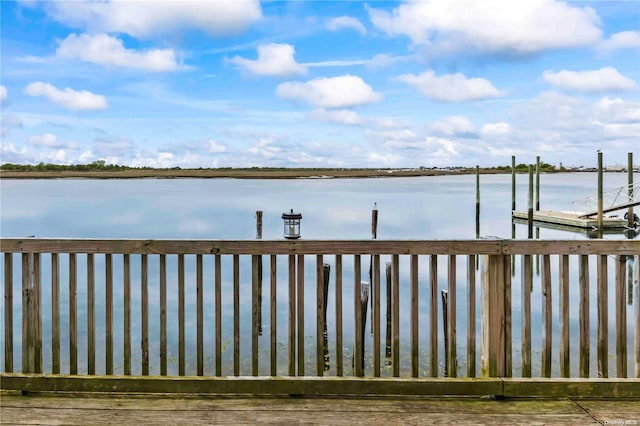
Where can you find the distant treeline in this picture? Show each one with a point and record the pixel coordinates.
(101, 165)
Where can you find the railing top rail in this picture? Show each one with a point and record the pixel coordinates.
(327, 247)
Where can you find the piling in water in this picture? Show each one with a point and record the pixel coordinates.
(530, 204)
(477, 202)
(600, 201)
(538, 183)
(513, 183)
(630, 221)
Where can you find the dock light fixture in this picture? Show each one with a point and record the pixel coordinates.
(291, 225)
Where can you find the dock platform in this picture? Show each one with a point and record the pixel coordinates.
(573, 220)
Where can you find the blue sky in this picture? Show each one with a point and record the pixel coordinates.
(319, 84)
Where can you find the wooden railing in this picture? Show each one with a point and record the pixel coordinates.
(408, 289)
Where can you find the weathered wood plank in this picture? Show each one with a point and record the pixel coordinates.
(108, 313)
(8, 312)
(199, 317)
(563, 309)
(413, 271)
(300, 309)
(36, 315)
(493, 360)
(451, 320)
(621, 317)
(433, 316)
(292, 316)
(573, 388)
(508, 349)
(376, 315)
(73, 319)
(218, 313)
(583, 273)
(144, 313)
(358, 349)
(546, 316)
(395, 321)
(254, 315)
(525, 290)
(55, 313)
(27, 300)
(339, 354)
(236, 315)
(603, 318)
(91, 318)
(126, 280)
(273, 304)
(163, 315)
(320, 315)
(471, 316)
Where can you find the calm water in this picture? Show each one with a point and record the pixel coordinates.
(409, 208)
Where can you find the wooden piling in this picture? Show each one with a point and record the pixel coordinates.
(530, 204)
(600, 200)
(477, 202)
(513, 183)
(538, 183)
(630, 222)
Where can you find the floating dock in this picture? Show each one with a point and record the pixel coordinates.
(573, 220)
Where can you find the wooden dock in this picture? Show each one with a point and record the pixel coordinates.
(80, 409)
(573, 220)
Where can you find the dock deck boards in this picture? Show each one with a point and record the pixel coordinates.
(571, 219)
(121, 409)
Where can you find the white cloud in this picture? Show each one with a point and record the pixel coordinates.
(3, 93)
(216, 147)
(458, 125)
(343, 116)
(451, 87)
(68, 98)
(336, 92)
(341, 22)
(622, 40)
(49, 140)
(142, 19)
(106, 50)
(617, 110)
(602, 80)
(495, 129)
(491, 25)
(273, 60)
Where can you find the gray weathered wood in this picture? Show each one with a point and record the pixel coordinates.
(583, 273)
(395, 321)
(493, 360)
(163, 315)
(603, 318)
(8, 312)
(126, 278)
(546, 316)
(563, 310)
(376, 315)
(108, 313)
(636, 343)
(300, 309)
(254, 315)
(621, 317)
(433, 318)
(451, 320)
(91, 323)
(358, 349)
(218, 313)
(525, 290)
(320, 326)
(339, 354)
(508, 322)
(36, 314)
(274, 315)
(73, 322)
(55, 313)
(292, 316)
(199, 317)
(414, 316)
(471, 316)
(144, 313)
(236, 315)
(27, 356)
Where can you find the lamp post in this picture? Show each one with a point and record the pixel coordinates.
(291, 225)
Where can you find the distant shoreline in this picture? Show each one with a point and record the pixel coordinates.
(241, 173)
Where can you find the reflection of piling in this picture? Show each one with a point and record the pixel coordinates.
(445, 305)
(387, 352)
(326, 271)
(530, 205)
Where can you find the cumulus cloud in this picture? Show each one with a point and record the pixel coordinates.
(3, 93)
(49, 140)
(273, 60)
(491, 25)
(451, 87)
(622, 40)
(216, 147)
(495, 129)
(616, 110)
(345, 22)
(602, 80)
(343, 116)
(140, 19)
(457, 125)
(103, 49)
(67, 98)
(335, 92)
